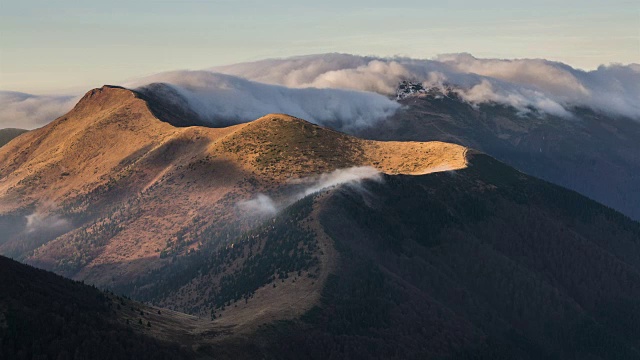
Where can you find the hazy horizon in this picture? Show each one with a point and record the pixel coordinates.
(49, 47)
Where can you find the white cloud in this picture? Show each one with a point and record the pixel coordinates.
(25, 111)
(263, 205)
(260, 205)
(352, 176)
(347, 91)
(39, 221)
(550, 87)
(223, 100)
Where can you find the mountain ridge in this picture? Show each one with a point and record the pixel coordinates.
(591, 153)
(288, 240)
(109, 163)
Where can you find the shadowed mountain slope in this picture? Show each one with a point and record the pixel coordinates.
(7, 135)
(593, 153)
(479, 263)
(43, 315)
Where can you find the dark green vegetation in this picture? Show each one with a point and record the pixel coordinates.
(44, 316)
(591, 153)
(7, 135)
(483, 263)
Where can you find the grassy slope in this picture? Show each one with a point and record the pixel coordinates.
(110, 167)
(481, 263)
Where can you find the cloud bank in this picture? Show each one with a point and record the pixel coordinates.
(225, 100)
(25, 111)
(347, 91)
(264, 205)
(547, 86)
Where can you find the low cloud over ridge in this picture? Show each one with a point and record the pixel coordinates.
(548, 86)
(347, 91)
(225, 100)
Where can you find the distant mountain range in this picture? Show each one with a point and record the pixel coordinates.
(7, 135)
(290, 240)
(593, 153)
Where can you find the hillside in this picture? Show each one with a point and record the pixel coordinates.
(593, 153)
(87, 196)
(7, 135)
(283, 239)
(43, 315)
(506, 266)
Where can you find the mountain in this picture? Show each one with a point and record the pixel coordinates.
(44, 316)
(593, 153)
(289, 240)
(7, 135)
(110, 190)
(483, 262)
(479, 263)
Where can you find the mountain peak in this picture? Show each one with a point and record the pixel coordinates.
(103, 97)
(105, 90)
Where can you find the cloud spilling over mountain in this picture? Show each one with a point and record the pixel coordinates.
(347, 91)
(547, 86)
(264, 205)
(26, 111)
(225, 100)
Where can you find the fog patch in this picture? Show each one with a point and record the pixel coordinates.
(352, 176)
(260, 205)
(264, 205)
(27, 111)
(41, 222)
(349, 92)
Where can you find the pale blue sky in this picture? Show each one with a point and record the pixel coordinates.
(47, 45)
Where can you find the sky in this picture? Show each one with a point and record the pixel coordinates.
(49, 46)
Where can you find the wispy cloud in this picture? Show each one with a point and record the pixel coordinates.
(264, 205)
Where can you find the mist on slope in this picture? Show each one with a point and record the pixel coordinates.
(264, 205)
(40, 222)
